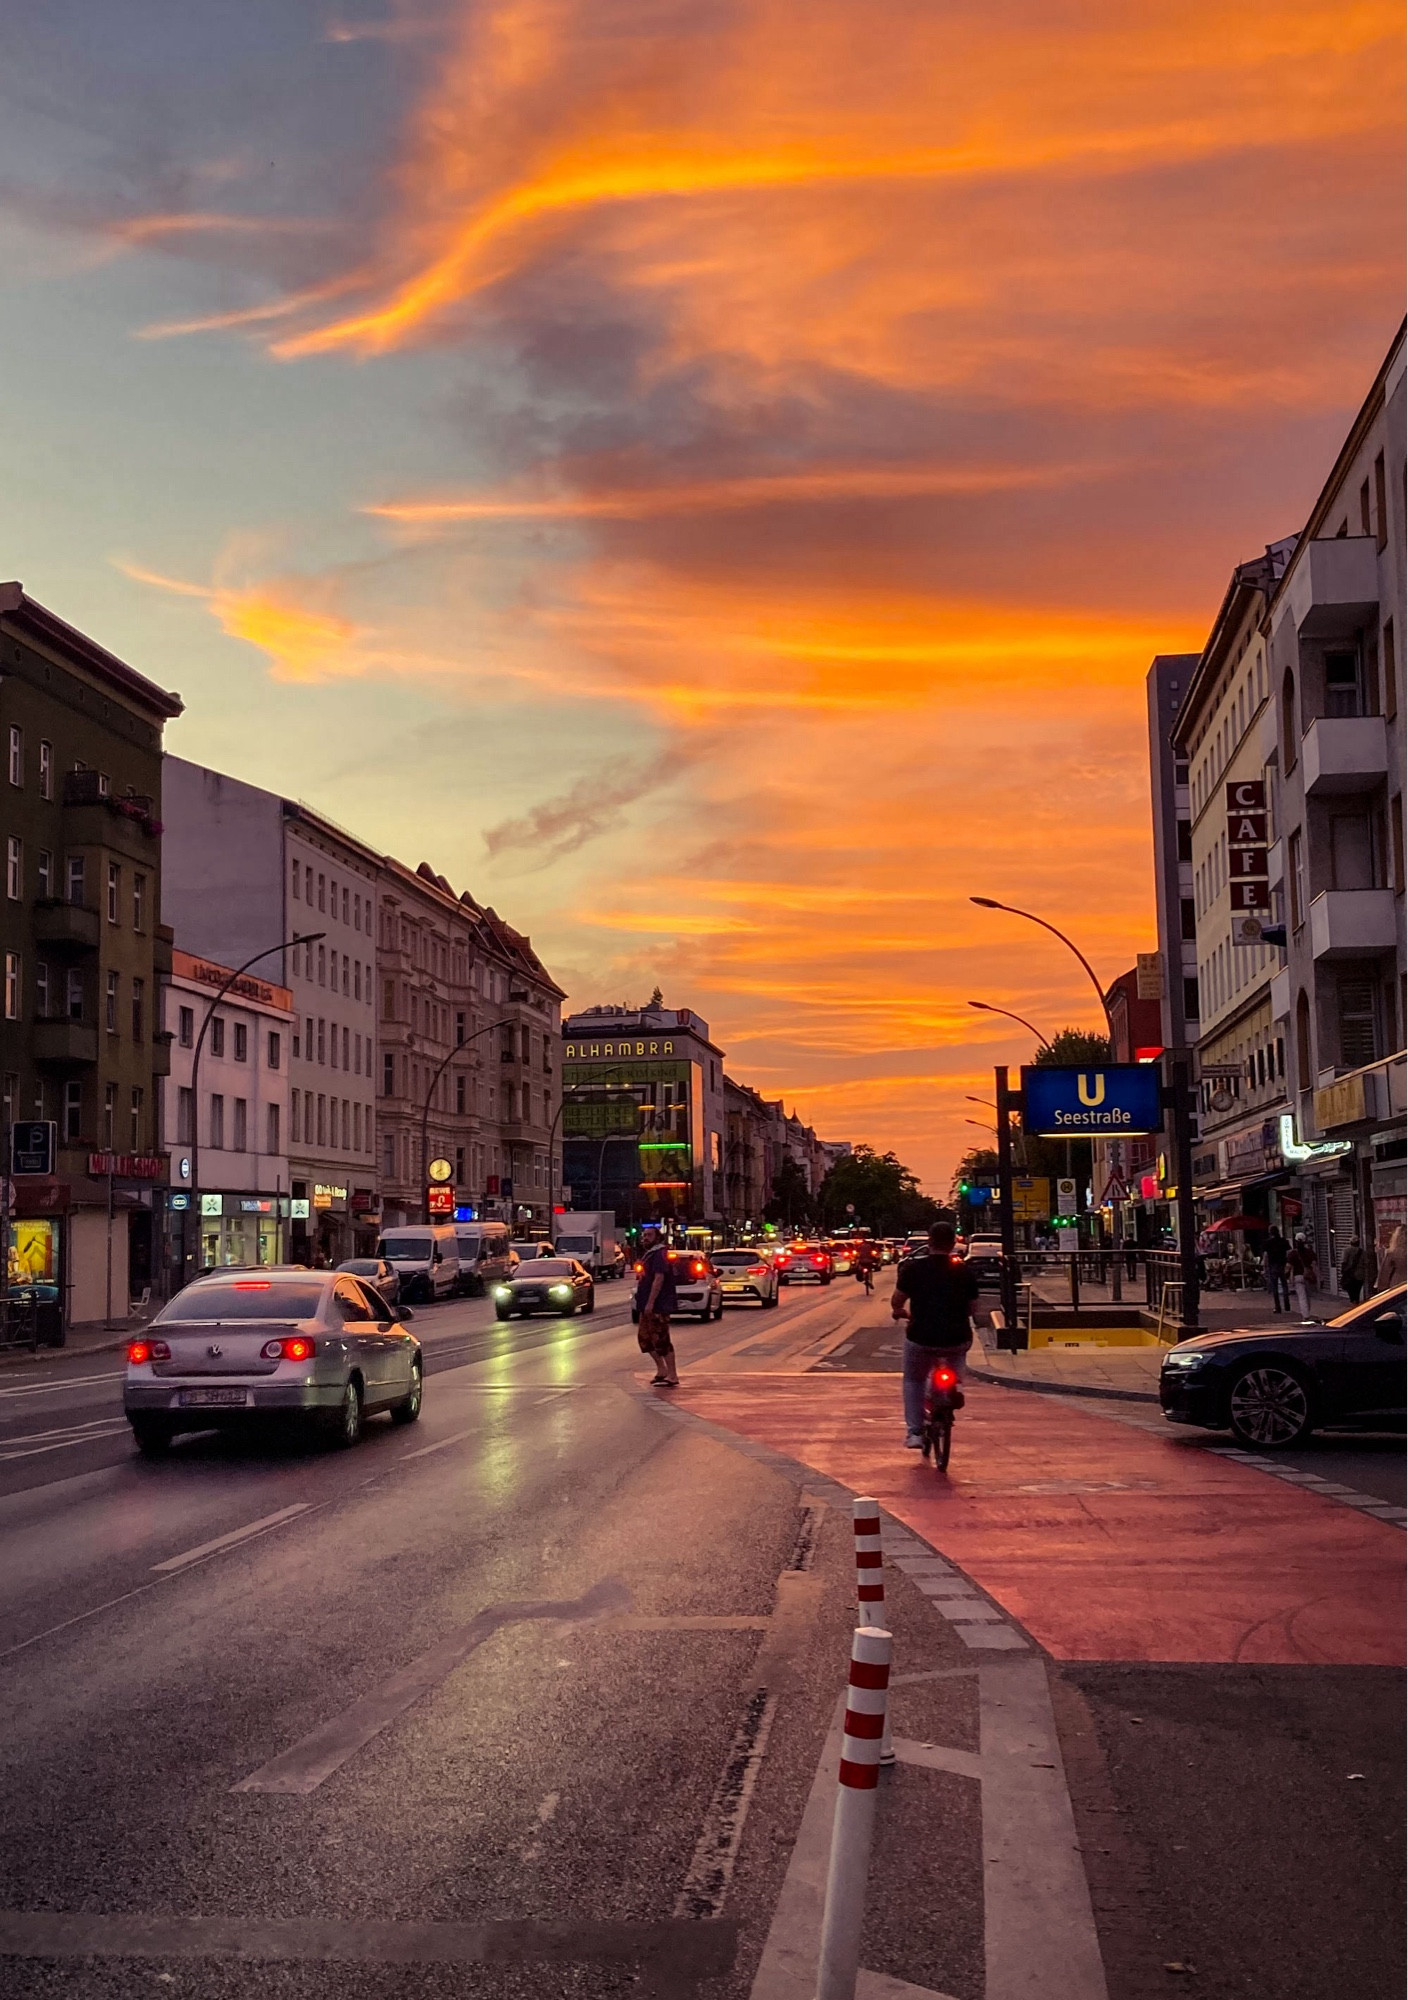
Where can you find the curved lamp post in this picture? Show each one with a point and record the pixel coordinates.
(509, 1021)
(284, 944)
(986, 1007)
(987, 903)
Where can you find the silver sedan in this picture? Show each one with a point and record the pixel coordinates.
(318, 1348)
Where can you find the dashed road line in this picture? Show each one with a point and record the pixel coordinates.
(188, 1557)
(64, 1382)
(710, 1872)
(62, 1438)
(1313, 1482)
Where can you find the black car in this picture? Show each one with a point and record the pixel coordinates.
(1272, 1388)
(546, 1284)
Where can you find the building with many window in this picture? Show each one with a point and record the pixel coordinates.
(84, 948)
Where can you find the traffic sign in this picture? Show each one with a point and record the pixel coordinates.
(1119, 1098)
(33, 1145)
(1115, 1190)
(1065, 1196)
(439, 1199)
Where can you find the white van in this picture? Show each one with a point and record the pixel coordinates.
(426, 1258)
(485, 1254)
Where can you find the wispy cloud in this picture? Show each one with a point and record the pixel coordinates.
(593, 806)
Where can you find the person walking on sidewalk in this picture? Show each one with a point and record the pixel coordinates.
(1304, 1274)
(1352, 1271)
(1277, 1252)
(1393, 1265)
(656, 1298)
(936, 1294)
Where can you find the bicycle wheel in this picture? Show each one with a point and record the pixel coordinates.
(942, 1428)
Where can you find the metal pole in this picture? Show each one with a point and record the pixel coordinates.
(1006, 1219)
(107, 1322)
(487, 1029)
(987, 903)
(1178, 1094)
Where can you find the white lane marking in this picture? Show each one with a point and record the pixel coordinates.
(39, 1442)
(706, 1884)
(938, 1757)
(67, 1382)
(1039, 1931)
(992, 1638)
(235, 1536)
(442, 1445)
(545, 1815)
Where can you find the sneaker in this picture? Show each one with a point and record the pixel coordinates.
(913, 1441)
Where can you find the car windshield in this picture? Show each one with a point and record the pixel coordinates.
(246, 1298)
(361, 1267)
(574, 1243)
(407, 1248)
(553, 1267)
(523, 1250)
(728, 1259)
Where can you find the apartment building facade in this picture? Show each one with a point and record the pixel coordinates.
(84, 949)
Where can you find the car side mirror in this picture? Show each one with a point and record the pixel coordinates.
(404, 1313)
(385, 1325)
(1389, 1326)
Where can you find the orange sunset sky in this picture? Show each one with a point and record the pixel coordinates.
(708, 477)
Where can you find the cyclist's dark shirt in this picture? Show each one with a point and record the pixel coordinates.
(941, 1291)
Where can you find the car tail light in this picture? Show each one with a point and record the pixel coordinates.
(140, 1351)
(251, 1284)
(293, 1347)
(696, 1270)
(758, 1271)
(819, 1262)
(943, 1378)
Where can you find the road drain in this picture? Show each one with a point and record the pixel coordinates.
(804, 1548)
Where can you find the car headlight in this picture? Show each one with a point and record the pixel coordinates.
(502, 1292)
(562, 1291)
(1184, 1361)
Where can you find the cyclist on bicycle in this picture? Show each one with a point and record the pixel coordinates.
(937, 1295)
(867, 1257)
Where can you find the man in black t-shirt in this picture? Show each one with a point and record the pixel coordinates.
(936, 1294)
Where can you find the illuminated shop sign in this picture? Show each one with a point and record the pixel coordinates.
(586, 1051)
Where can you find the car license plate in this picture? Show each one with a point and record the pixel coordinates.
(213, 1399)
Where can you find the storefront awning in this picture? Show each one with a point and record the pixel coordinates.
(1229, 1190)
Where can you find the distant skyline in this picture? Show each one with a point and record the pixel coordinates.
(709, 477)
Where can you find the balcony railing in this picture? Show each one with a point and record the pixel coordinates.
(66, 927)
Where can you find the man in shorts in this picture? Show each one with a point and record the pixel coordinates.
(936, 1294)
(656, 1298)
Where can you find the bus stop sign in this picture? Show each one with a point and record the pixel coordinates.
(1112, 1101)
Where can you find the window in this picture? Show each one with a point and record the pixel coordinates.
(322, 892)
(271, 1129)
(75, 878)
(16, 754)
(460, 1083)
(1395, 820)
(346, 1048)
(1305, 1075)
(388, 1155)
(1390, 672)
(297, 871)
(346, 906)
(1366, 519)
(139, 902)
(46, 770)
(241, 1042)
(356, 978)
(1352, 851)
(1185, 840)
(110, 1004)
(388, 1000)
(1358, 1012)
(1289, 739)
(295, 1100)
(12, 985)
(42, 995)
(240, 1124)
(388, 1074)
(356, 913)
(1188, 920)
(308, 1039)
(1295, 856)
(186, 1027)
(217, 1035)
(185, 1117)
(217, 1122)
(1380, 503)
(322, 1040)
(322, 1119)
(14, 868)
(75, 994)
(44, 873)
(322, 961)
(1344, 693)
(114, 891)
(73, 1109)
(139, 994)
(275, 1058)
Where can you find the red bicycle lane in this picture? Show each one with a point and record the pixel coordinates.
(1106, 1541)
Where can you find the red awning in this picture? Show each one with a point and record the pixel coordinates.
(1229, 1222)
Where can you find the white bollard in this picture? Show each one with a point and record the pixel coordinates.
(870, 1582)
(854, 1824)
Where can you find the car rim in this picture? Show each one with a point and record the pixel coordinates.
(413, 1400)
(1269, 1406)
(351, 1414)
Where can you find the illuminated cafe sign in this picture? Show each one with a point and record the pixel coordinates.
(1248, 880)
(584, 1051)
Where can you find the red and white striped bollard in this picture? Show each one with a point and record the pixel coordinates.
(870, 1582)
(854, 1825)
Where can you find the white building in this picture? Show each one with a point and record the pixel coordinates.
(236, 1108)
(244, 871)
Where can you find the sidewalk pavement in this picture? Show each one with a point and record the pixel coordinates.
(89, 1337)
(1217, 1310)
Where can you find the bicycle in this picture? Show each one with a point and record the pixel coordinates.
(942, 1400)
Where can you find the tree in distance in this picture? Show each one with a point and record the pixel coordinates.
(791, 1197)
(882, 1190)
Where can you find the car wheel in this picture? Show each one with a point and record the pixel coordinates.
(769, 1300)
(706, 1315)
(826, 1277)
(719, 1310)
(409, 1410)
(635, 1317)
(590, 1306)
(152, 1440)
(502, 1312)
(347, 1428)
(1268, 1408)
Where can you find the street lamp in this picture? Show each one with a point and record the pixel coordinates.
(987, 903)
(986, 1007)
(507, 1022)
(284, 944)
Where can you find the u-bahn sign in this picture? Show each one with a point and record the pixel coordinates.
(1119, 1098)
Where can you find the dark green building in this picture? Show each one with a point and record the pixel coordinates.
(83, 952)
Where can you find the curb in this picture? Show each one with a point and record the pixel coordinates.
(15, 1357)
(1065, 1388)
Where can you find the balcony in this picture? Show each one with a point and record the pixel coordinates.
(65, 1044)
(1344, 753)
(1334, 587)
(66, 927)
(1352, 923)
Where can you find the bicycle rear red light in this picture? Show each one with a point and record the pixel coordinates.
(943, 1378)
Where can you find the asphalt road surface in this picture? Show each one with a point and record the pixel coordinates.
(538, 1696)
